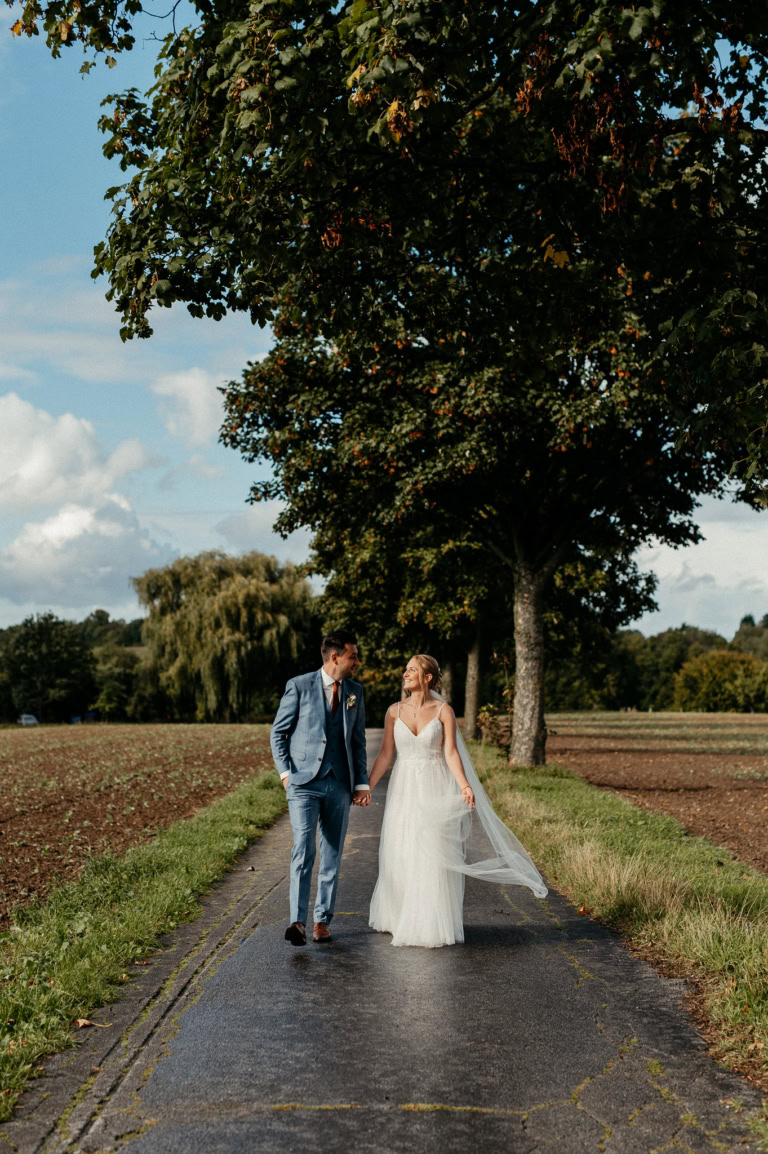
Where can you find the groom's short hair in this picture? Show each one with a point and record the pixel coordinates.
(336, 642)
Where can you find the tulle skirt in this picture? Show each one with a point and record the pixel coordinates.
(419, 895)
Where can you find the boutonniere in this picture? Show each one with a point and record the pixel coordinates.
(351, 700)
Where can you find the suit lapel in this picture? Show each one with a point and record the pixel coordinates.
(320, 694)
(342, 706)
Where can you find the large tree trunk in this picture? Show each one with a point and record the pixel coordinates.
(472, 689)
(446, 685)
(529, 734)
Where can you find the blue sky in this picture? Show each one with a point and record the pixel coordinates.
(110, 462)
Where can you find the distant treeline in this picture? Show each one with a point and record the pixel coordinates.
(222, 635)
(679, 669)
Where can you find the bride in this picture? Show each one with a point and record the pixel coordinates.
(433, 799)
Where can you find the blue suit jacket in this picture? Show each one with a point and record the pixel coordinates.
(298, 731)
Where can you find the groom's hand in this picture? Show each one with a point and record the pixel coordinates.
(361, 797)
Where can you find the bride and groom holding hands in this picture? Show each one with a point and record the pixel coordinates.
(434, 801)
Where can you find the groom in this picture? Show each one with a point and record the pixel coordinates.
(318, 743)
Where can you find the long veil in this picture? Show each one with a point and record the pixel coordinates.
(493, 854)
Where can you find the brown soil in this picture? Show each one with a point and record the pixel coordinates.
(73, 791)
(708, 771)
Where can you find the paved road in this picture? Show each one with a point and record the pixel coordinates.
(540, 1032)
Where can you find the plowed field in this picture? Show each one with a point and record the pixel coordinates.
(710, 771)
(67, 792)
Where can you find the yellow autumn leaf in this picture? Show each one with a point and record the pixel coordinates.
(64, 29)
(424, 97)
(17, 28)
(353, 79)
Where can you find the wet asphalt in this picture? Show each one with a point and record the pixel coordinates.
(541, 1032)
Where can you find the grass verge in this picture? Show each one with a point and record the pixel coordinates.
(68, 955)
(679, 899)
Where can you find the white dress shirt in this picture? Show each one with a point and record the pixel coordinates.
(328, 689)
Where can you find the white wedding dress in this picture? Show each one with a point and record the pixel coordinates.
(423, 859)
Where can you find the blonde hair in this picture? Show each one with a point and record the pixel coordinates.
(427, 665)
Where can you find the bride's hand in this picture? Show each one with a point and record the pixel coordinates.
(468, 797)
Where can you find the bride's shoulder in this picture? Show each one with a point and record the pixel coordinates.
(393, 710)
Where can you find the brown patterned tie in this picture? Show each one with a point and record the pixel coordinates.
(335, 699)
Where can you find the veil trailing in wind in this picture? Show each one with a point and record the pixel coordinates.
(477, 842)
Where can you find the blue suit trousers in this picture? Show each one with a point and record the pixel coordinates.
(323, 802)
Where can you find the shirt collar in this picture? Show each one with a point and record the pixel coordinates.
(327, 679)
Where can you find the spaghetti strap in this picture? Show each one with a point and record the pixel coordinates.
(398, 707)
(440, 710)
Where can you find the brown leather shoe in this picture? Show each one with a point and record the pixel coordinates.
(321, 933)
(296, 934)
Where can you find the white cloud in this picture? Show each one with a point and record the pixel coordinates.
(81, 556)
(195, 467)
(715, 583)
(15, 373)
(54, 319)
(193, 410)
(49, 459)
(252, 529)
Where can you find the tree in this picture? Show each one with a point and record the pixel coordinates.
(223, 631)
(752, 638)
(49, 668)
(411, 588)
(722, 681)
(98, 628)
(405, 163)
(483, 455)
(116, 673)
(411, 168)
(546, 215)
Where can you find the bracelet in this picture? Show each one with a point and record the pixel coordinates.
(464, 788)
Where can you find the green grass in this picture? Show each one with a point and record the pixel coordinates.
(690, 903)
(67, 956)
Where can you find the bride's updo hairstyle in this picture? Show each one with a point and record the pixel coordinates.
(427, 665)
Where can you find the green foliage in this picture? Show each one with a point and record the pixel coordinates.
(48, 668)
(752, 638)
(626, 670)
(578, 186)
(722, 680)
(513, 255)
(98, 628)
(116, 671)
(224, 632)
(406, 590)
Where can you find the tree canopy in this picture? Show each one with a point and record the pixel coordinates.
(48, 667)
(514, 256)
(490, 458)
(413, 171)
(431, 173)
(722, 681)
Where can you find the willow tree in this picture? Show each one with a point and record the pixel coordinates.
(223, 631)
